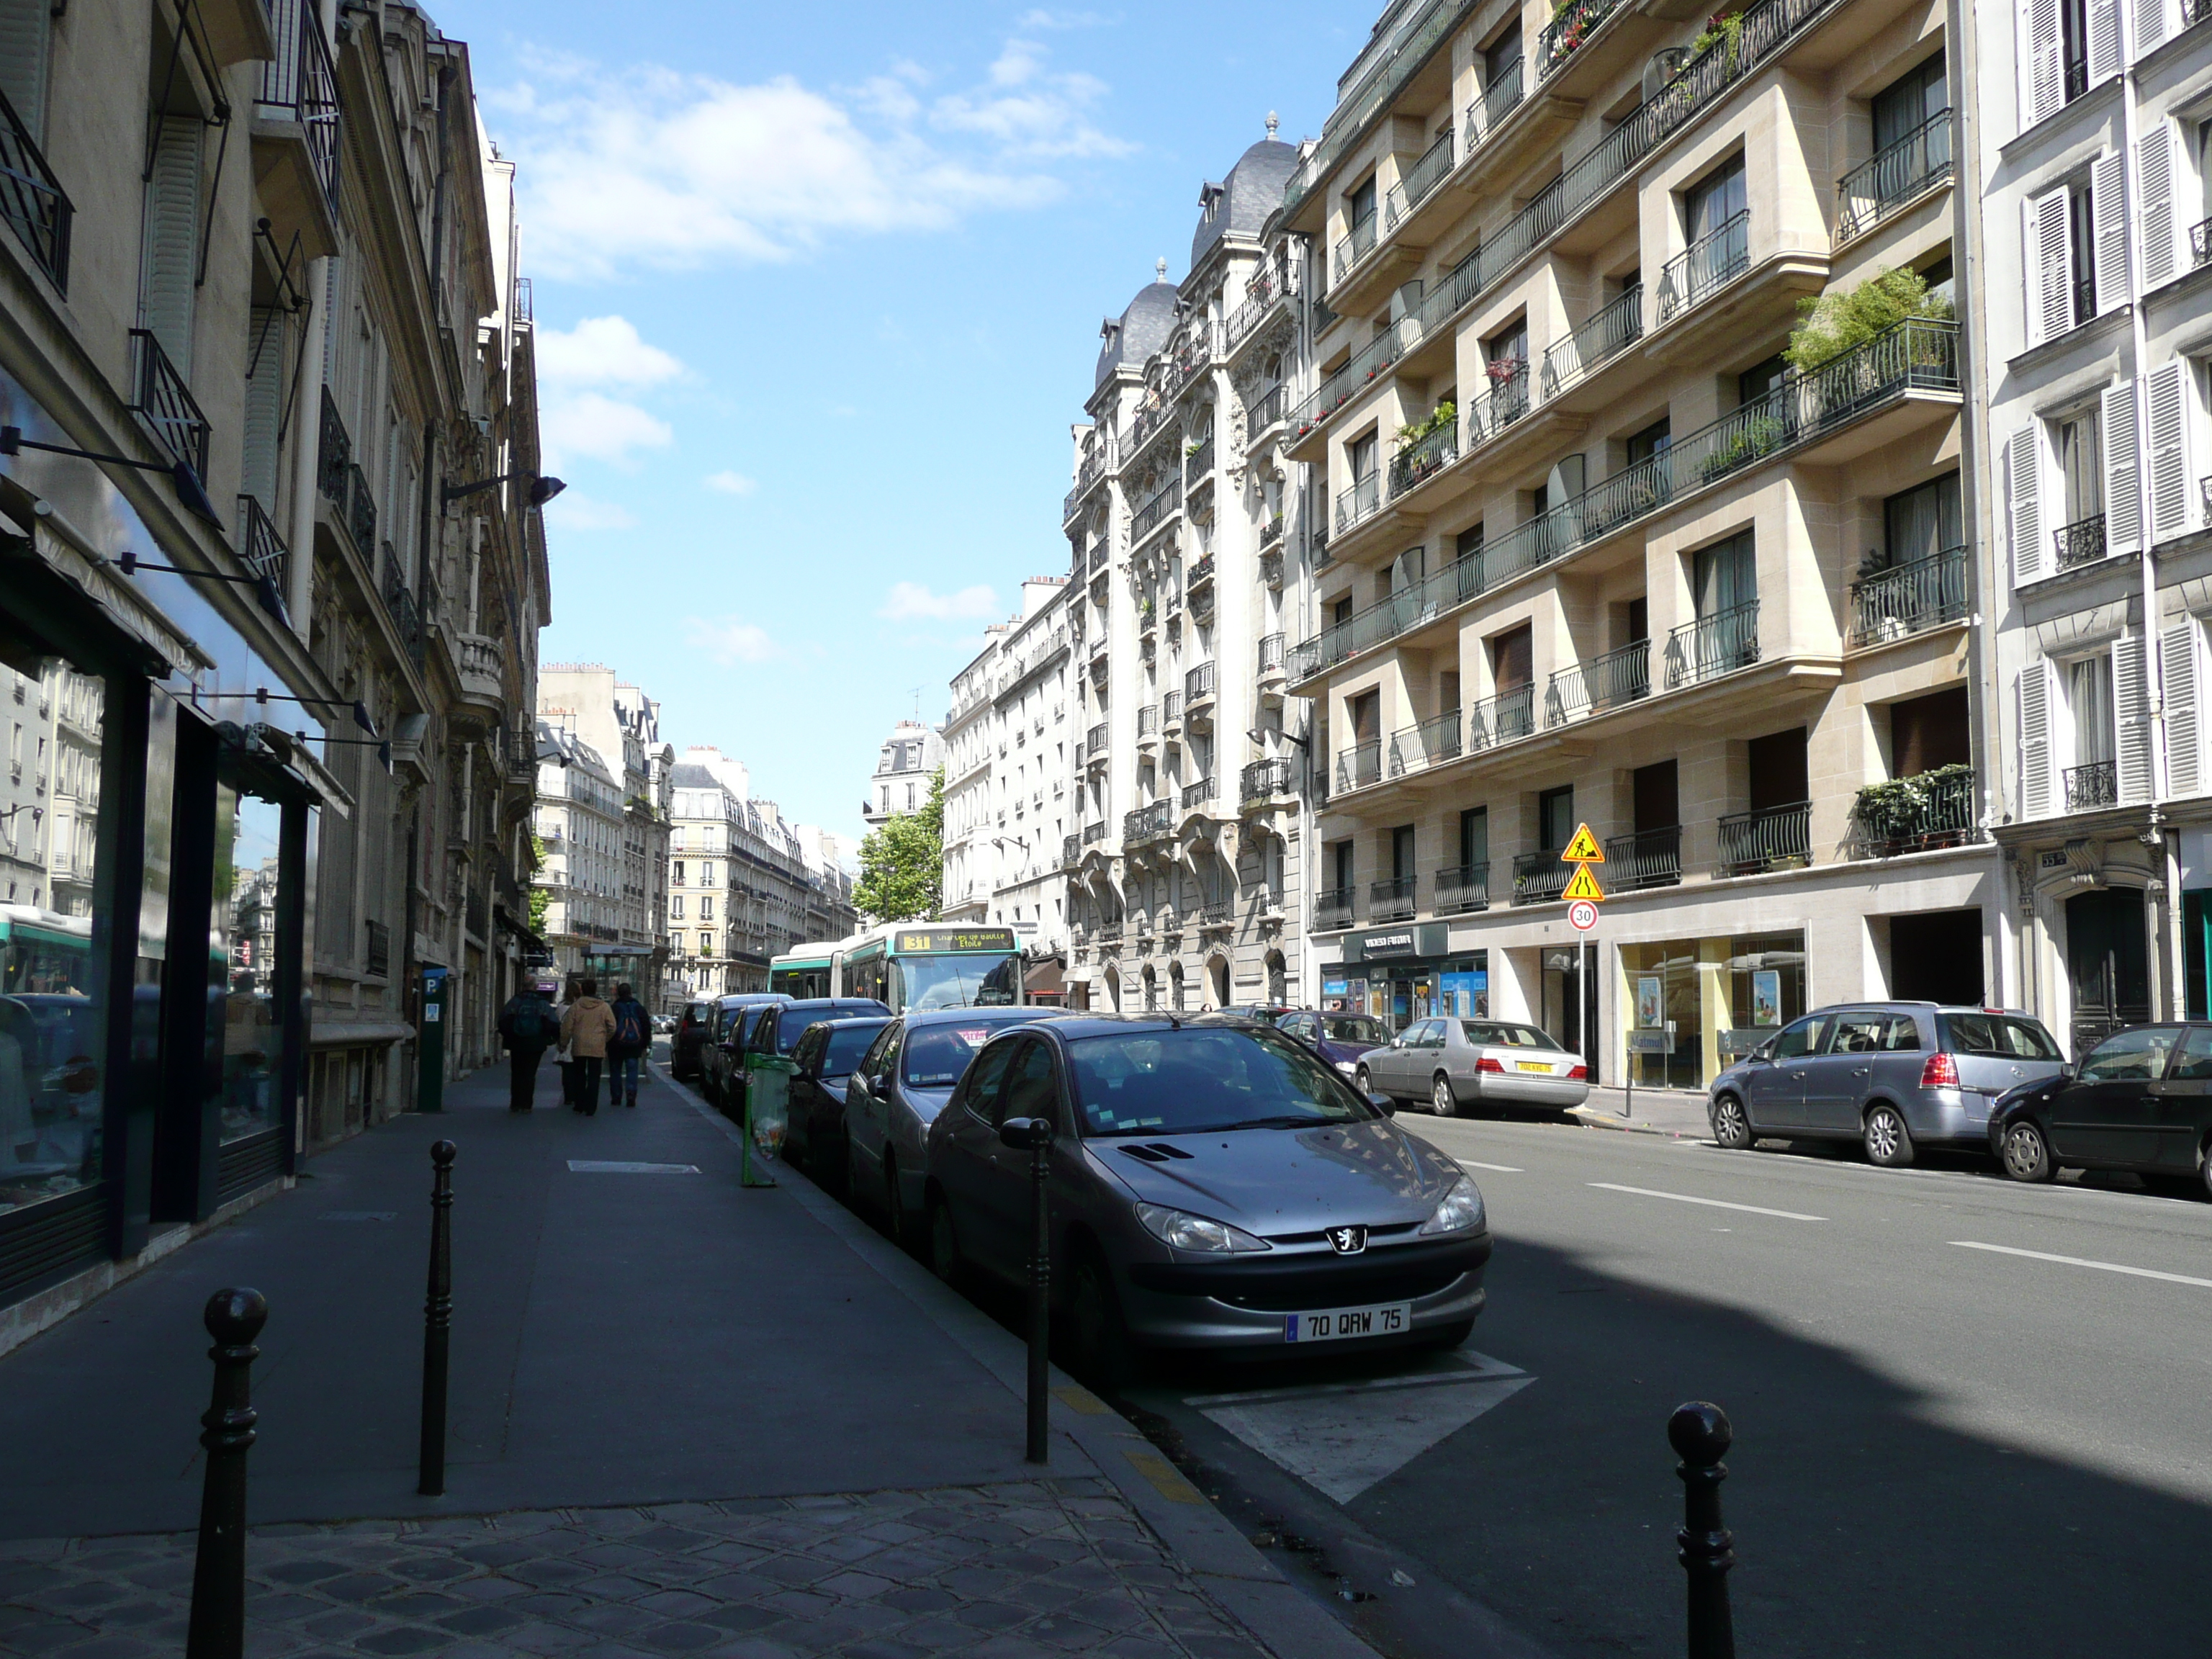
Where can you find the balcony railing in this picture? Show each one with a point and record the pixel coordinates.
(1912, 599)
(1365, 99)
(1154, 513)
(1430, 742)
(1333, 908)
(1146, 823)
(1609, 681)
(1170, 711)
(1506, 401)
(1148, 722)
(1268, 412)
(1650, 857)
(1420, 180)
(1570, 25)
(1190, 356)
(1199, 463)
(1500, 99)
(1201, 574)
(1353, 246)
(1773, 838)
(1101, 550)
(1713, 646)
(1423, 459)
(1094, 742)
(159, 398)
(1359, 502)
(1930, 810)
(1094, 833)
(1263, 780)
(32, 199)
(1359, 765)
(1539, 878)
(1617, 326)
(259, 547)
(405, 618)
(2200, 237)
(1460, 887)
(1268, 287)
(1505, 718)
(1718, 257)
(1366, 365)
(2081, 542)
(300, 84)
(1070, 848)
(1271, 655)
(1197, 793)
(1197, 685)
(1869, 193)
(1392, 899)
(2096, 784)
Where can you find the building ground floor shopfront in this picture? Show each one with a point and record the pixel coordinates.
(1675, 982)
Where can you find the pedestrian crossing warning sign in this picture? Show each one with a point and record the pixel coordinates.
(1583, 885)
(1584, 848)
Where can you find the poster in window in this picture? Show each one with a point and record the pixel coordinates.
(1650, 1006)
(1766, 997)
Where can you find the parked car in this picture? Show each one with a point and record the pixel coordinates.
(733, 1020)
(902, 1083)
(822, 1064)
(1894, 1076)
(693, 1027)
(1214, 1185)
(1451, 1063)
(757, 1075)
(2140, 1100)
(1339, 1038)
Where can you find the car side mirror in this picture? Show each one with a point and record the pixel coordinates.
(1383, 1104)
(1025, 1134)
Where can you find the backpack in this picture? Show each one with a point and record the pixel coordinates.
(528, 1021)
(629, 1025)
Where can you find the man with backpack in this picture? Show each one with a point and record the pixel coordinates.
(626, 1049)
(529, 1028)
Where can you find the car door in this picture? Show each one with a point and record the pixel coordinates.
(2106, 1116)
(2185, 1100)
(868, 1096)
(1774, 1094)
(963, 1145)
(1836, 1078)
(1031, 1090)
(1400, 1060)
(805, 1096)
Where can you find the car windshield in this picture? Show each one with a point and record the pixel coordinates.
(846, 1045)
(1197, 1078)
(1498, 1034)
(2002, 1036)
(1353, 1028)
(936, 1055)
(959, 982)
(791, 1023)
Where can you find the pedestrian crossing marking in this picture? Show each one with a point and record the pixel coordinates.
(1583, 885)
(601, 1166)
(1584, 848)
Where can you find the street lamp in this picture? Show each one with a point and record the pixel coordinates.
(1259, 737)
(543, 488)
(191, 492)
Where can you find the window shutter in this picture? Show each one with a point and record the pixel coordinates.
(23, 30)
(2108, 211)
(2123, 484)
(2034, 697)
(2167, 391)
(2181, 655)
(2155, 175)
(2104, 40)
(172, 240)
(2131, 692)
(2049, 254)
(2023, 467)
(2043, 88)
(265, 404)
(2152, 25)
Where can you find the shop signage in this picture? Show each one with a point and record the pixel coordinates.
(1429, 939)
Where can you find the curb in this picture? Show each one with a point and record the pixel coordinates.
(1224, 1564)
(1590, 1118)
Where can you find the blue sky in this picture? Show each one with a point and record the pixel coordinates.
(817, 294)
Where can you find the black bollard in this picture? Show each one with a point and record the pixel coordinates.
(1036, 1134)
(1700, 1433)
(217, 1630)
(437, 1323)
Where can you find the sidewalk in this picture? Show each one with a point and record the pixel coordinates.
(686, 1418)
(1677, 1112)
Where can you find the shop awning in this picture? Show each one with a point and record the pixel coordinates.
(1044, 978)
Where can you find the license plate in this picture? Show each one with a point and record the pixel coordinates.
(1335, 1324)
(1535, 1066)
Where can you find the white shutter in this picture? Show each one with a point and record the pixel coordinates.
(2123, 481)
(2167, 391)
(171, 246)
(2181, 655)
(2131, 695)
(2047, 257)
(2023, 466)
(2035, 699)
(2104, 40)
(265, 404)
(2156, 22)
(2042, 83)
(2162, 242)
(2108, 228)
(23, 30)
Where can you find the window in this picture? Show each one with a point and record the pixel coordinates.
(1474, 836)
(1359, 206)
(1797, 1041)
(2132, 1057)
(706, 910)
(675, 907)
(1922, 521)
(1555, 819)
(675, 873)
(2081, 469)
(1725, 575)
(1908, 103)
(1502, 56)
(1651, 443)
(706, 944)
(2090, 781)
(981, 1091)
(2080, 248)
(1714, 200)
(1759, 379)
(1362, 454)
(169, 247)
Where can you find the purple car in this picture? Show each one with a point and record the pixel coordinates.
(1341, 1038)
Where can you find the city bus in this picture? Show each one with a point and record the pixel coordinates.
(805, 970)
(910, 966)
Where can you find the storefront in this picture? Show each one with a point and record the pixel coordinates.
(1694, 1005)
(1400, 975)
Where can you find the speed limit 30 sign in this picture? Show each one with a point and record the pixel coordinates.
(1583, 915)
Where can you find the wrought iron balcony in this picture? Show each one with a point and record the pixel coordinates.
(1506, 401)
(1420, 180)
(1154, 513)
(1201, 573)
(2081, 542)
(2096, 784)
(1359, 765)
(1352, 246)
(1170, 711)
(1333, 908)
(1925, 810)
(33, 201)
(1713, 646)
(1510, 715)
(343, 482)
(1070, 848)
(1365, 366)
(1425, 458)
(260, 549)
(1570, 25)
(1360, 503)
(1895, 175)
(1197, 793)
(1539, 878)
(405, 618)
(1271, 655)
(1101, 551)
(1197, 685)
(301, 85)
(1461, 887)
(1500, 99)
(1365, 99)
(1264, 780)
(1094, 742)
(1199, 463)
(1148, 722)
(1616, 326)
(1609, 681)
(1191, 356)
(1094, 833)
(159, 398)
(1216, 912)
(2200, 236)
(1648, 857)
(1266, 412)
(1147, 823)
(1773, 838)
(1428, 742)
(1910, 598)
(1392, 899)
(1266, 288)
(1149, 421)
(1718, 258)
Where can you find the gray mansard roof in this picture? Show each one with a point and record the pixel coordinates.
(1140, 330)
(1242, 202)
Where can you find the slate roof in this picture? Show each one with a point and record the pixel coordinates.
(1242, 202)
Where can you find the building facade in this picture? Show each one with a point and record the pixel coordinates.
(909, 757)
(272, 676)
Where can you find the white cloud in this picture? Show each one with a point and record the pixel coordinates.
(592, 425)
(1065, 20)
(732, 483)
(573, 510)
(658, 167)
(912, 602)
(730, 641)
(602, 351)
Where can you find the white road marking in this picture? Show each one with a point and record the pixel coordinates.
(2083, 1261)
(603, 1166)
(1713, 1203)
(1467, 1366)
(1502, 1169)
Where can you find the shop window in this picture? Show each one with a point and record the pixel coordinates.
(1700, 1002)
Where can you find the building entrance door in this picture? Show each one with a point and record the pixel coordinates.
(2107, 964)
(1570, 1016)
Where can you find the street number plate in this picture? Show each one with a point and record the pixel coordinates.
(1533, 1066)
(1334, 1324)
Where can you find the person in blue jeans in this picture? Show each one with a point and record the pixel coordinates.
(626, 1049)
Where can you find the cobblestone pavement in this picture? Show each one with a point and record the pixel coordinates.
(1046, 1568)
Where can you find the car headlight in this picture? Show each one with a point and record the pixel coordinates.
(1459, 1210)
(1182, 1231)
(1348, 1067)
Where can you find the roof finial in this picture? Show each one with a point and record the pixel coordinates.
(1161, 268)
(1271, 124)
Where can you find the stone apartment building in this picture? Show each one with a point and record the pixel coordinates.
(270, 652)
(905, 764)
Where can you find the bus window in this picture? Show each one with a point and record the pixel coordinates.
(979, 981)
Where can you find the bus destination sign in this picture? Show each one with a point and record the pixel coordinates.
(936, 941)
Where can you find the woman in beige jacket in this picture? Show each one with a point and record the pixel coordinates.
(585, 1028)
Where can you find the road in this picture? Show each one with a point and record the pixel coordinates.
(1948, 1442)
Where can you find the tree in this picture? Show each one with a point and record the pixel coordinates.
(541, 898)
(902, 864)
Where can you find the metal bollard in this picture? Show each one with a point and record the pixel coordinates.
(217, 1630)
(437, 1323)
(1036, 1134)
(1700, 1433)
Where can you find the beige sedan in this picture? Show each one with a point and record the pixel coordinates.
(1454, 1064)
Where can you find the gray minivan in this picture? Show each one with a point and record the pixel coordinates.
(1890, 1075)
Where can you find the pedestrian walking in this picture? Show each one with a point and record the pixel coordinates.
(528, 1026)
(587, 1027)
(626, 1049)
(562, 1058)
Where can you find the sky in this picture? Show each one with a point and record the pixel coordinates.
(817, 297)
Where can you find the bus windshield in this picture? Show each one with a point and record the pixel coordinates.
(956, 982)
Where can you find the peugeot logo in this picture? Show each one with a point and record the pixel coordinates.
(1348, 1240)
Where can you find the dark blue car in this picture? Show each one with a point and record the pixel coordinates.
(1340, 1038)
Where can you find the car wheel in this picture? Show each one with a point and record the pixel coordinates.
(1099, 1337)
(1888, 1142)
(1442, 1101)
(945, 1258)
(895, 1216)
(1449, 1336)
(2026, 1153)
(1731, 1128)
(1363, 1083)
(2204, 1169)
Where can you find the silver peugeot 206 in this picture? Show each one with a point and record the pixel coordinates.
(1213, 1184)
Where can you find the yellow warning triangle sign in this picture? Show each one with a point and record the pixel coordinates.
(1582, 849)
(1583, 885)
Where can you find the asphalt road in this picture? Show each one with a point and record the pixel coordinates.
(1947, 1441)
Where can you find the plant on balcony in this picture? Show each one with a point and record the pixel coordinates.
(1503, 370)
(1720, 26)
(1758, 438)
(1442, 417)
(1898, 809)
(1840, 320)
(1562, 45)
